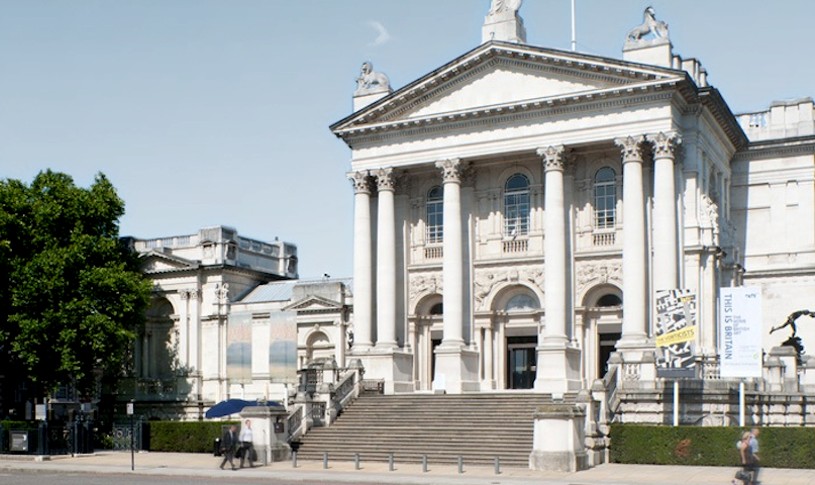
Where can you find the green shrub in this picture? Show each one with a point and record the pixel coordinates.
(708, 446)
(185, 436)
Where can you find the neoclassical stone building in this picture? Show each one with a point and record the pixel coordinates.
(518, 209)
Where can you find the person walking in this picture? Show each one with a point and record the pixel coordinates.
(753, 464)
(247, 452)
(229, 443)
(743, 446)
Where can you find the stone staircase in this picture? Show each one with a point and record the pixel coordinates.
(477, 427)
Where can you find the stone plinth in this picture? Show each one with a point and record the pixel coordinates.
(559, 437)
(558, 369)
(269, 436)
(393, 366)
(656, 52)
(504, 26)
(456, 370)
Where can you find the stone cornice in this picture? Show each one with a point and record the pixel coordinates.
(802, 145)
(597, 99)
(539, 110)
(573, 64)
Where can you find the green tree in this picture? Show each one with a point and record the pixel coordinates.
(72, 295)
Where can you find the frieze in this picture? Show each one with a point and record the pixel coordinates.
(596, 273)
(489, 279)
(424, 284)
(488, 117)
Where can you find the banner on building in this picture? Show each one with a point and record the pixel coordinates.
(283, 347)
(239, 348)
(675, 333)
(740, 332)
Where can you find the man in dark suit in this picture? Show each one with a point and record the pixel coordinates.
(229, 443)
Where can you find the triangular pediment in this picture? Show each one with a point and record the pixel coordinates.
(500, 77)
(158, 262)
(313, 304)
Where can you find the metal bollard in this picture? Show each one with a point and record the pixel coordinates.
(460, 464)
(356, 461)
(390, 461)
(294, 459)
(497, 465)
(424, 463)
(325, 460)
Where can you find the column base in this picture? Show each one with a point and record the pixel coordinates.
(456, 370)
(558, 369)
(393, 366)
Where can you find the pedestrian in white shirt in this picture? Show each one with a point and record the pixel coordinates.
(247, 451)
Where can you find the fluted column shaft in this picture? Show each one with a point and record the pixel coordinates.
(666, 269)
(554, 246)
(635, 296)
(452, 266)
(363, 285)
(385, 261)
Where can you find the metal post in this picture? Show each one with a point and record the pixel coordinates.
(676, 403)
(294, 459)
(325, 460)
(390, 461)
(460, 464)
(356, 461)
(424, 463)
(742, 403)
(497, 465)
(574, 29)
(132, 450)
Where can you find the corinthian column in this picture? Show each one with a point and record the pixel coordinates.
(385, 261)
(452, 266)
(635, 297)
(363, 302)
(666, 269)
(554, 245)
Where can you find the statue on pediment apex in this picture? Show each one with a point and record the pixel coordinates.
(650, 26)
(499, 6)
(370, 81)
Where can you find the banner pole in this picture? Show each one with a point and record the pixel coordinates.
(676, 402)
(741, 403)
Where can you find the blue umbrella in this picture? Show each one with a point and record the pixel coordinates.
(232, 406)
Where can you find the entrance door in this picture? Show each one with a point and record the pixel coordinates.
(522, 362)
(606, 345)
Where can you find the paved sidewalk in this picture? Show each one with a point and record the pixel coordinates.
(205, 465)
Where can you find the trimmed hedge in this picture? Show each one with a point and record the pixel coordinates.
(185, 436)
(709, 446)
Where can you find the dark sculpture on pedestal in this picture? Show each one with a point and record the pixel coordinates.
(794, 340)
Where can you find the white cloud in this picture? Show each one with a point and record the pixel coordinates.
(382, 35)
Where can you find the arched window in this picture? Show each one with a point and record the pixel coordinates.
(521, 303)
(609, 300)
(516, 206)
(437, 309)
(435, 215)
(605, 198)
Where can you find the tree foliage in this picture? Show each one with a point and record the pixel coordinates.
(72, 296)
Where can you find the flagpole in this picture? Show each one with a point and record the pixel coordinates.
(574, 30)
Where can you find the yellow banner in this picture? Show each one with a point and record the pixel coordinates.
(677, 336)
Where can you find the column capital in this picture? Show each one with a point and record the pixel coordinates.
(665, 144)
(451, 170)
(361, 181)
(631, 147)
(554, 157)
(385, 180)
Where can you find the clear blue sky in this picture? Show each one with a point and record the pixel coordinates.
(216, 112)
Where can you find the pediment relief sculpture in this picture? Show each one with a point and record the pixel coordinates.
(596, 273)
(488, 281)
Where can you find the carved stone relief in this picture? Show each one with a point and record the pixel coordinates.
(589, 274)
(423, 284)
(489, 279)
